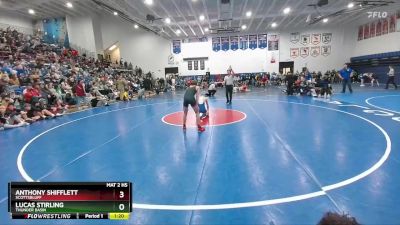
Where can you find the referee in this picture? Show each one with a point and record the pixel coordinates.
(228, 81)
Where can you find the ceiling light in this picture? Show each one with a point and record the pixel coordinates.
(286, 10)
(69, 4)
(274, 25)
(136, 26)
(248, 13)
(194, 0)
(350, 5)
(206, 29)
(168, 20)
(148, 2)
(244, 27)
(178, 32)
(112, 47)
(115, 13)
(201, 17)
(325, 20)
(31, 11)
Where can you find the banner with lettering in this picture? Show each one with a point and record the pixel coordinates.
(176, 46)
(385, 26)
(225, 43)
(360, 33)
(252, 42)
(379, 28)
(366, 31)
(262, 41)
(243, 42)
(273, 42)
(372, 30)
(216, 44)
(234, 42)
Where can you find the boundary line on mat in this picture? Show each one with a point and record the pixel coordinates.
(294, 198)
(381, 96)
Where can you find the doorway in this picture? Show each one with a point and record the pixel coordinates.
(286, 67)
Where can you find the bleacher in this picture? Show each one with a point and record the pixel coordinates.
(377, 64)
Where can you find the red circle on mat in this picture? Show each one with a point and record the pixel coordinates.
(217, 117)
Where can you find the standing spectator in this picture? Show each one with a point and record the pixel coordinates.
(391, 78)
(345, 74)
(80, 92)
(228, 81)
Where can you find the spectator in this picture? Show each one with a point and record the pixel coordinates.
(337, 219)
(80, 93)
(345, 75)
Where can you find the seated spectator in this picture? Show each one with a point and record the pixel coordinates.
(211, 90)
(31, 94)
(337, 219)
(10, 117)
(29, 115)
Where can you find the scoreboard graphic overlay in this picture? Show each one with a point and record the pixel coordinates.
(66, 200)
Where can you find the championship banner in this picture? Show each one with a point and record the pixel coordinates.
(243, 42)
(295, 37)
(196, 65)
(304, 51)
(225, 43)
(326, 38)
(315, 51)
(379, 28)
(385, 27)
(252, 42)
(366, 31)
(176, 46)
(305, 39)
(234, 42)
(216, 44)
(262, 41)
(273, 42)
(360, 33)
(326, 50)
(294, 53)
(392, 24)
(316, 39)
(372, 30)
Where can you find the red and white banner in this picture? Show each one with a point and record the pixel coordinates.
(372, 30)
(305, 52)
(385, 27)
(294, 53)
(316, 39)
(366, 31)
(392, 24)
(361, 33)
(379, 28)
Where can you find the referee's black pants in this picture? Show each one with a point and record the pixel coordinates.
(390, 81)
(229, 91)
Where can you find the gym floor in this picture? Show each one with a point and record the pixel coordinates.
(266, 159)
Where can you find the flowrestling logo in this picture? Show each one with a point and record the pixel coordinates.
(379, 15)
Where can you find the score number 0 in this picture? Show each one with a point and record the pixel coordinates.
(121, 206)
